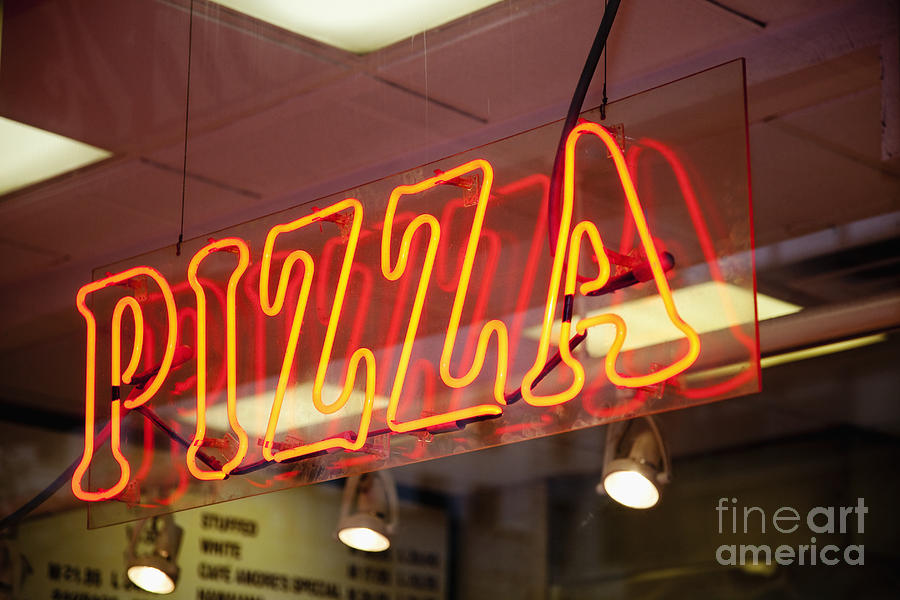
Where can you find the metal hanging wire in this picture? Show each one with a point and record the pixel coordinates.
(187, 112)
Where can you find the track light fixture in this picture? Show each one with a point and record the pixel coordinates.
(156, 572)
(636, 463)
(368, 512)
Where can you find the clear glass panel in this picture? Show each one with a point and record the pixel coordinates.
(685, 147)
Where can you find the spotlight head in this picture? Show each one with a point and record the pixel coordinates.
(367, 518)
(364, 532)
(631, 486)
(158, 571)
(636, 463)
(153, 574)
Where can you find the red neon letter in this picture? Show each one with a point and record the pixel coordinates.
(491, 327)
(230, 356)
(118, 377)
(588, 228)
(656, 268)
(359, 355)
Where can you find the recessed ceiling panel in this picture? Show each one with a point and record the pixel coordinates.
(30, 155)
(358, 26)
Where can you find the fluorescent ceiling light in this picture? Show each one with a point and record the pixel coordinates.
(358, 26)
(30, 155)
(297, 410)
(815, 352)
(788, 357)
(704, 307)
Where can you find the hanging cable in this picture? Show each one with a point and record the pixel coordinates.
(604, 100)
(187, 112)
(587, 73)
(13, 518)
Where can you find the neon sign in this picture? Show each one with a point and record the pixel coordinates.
(284, 280)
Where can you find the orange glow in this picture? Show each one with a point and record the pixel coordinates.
(410, 252)
(423, 371)
(560, 259)
(117, 376)
(656, 268)
(445, 281)
(230, 356)
(709, 253)
(584, 228)
(537, 242)
(356, 461)
(138, 315)
(491, 253)
(397, 314)
(272, 308)
(491, 327)
(149, 450)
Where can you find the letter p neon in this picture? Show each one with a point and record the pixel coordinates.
(118, 376)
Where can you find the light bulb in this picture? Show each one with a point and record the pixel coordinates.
(631, 488)
(151, 579)
(364, 538)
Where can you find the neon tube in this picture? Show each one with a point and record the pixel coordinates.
(583, 228)
(138, 316)
(395, 272)
(491, 244)
(559, 259)
(537, 242)
(395, 322)
(348, 214)
(90, 373)
(709, 252)
(272, 308)
(656, 268)
(230, 356)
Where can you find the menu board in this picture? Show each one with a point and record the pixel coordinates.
(271, 547)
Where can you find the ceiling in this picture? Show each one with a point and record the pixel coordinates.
(276, 120)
